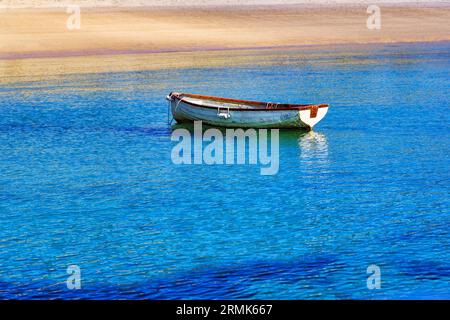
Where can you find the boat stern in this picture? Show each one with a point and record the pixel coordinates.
(310, 116)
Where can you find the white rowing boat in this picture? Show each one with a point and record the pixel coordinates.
(226, 112)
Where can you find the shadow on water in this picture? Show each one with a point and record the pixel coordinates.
(303, 137)
(236, 281)
(152, 131)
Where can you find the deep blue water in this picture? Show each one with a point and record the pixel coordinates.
(86, 178)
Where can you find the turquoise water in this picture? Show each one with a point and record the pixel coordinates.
(87, 179)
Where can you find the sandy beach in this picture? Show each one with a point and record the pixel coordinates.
(35, 33)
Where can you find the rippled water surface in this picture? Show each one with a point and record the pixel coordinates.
(87, 179)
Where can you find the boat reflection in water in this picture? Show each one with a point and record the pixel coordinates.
(313, 153)
(313, 147)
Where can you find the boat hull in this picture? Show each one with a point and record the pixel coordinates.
(223, 117)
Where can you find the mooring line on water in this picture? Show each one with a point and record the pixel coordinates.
(169, 105)
(169, 121)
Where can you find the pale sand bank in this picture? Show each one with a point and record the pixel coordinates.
(31, 33)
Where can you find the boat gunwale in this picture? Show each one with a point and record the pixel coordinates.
(276, 106)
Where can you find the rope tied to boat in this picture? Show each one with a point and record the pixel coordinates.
(170, 99)
(178, 103)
